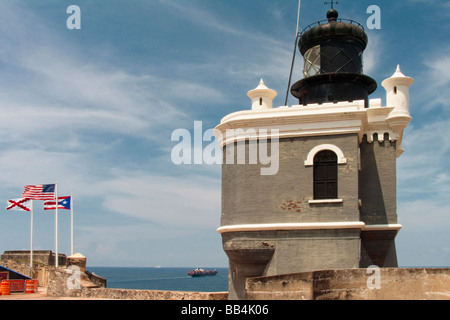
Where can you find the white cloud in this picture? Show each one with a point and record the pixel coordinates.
(21, 167)
(433, 82)
(54, 89)
(424, 239)
(256, 53)
(423, 203)
(373, 53)
(425, 215)
(74, 95)
(202, 16)
(438, 81)
(184, 201)
(147, 244)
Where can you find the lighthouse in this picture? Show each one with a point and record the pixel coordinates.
(333, 62)
(332, 202)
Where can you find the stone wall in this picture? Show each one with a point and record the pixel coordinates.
(46, 273)
(44, 257)
(378, 178)
(249, 197)
(68, 282)
(352, 284)
(378, 194)
(62, 284)
(40, 272)
(128, 294)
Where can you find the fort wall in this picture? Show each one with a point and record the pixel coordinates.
(354, 284)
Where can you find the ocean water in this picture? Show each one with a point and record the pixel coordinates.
(173, 279)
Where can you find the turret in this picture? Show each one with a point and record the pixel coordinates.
(397, 96)
(262, 97)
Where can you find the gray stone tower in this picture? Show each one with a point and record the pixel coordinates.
(313, 186)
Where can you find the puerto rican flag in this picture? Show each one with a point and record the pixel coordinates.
(22, 204)
(63, 203)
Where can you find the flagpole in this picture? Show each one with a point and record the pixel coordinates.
(295, 50)
(56, 226)
(71, 224)
(31, 242)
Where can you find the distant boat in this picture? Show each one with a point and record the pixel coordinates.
(201, 273)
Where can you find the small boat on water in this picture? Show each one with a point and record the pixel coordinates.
(202, 273)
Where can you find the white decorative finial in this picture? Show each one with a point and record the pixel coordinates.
(261, 86)
(398, 73)
(397, 78)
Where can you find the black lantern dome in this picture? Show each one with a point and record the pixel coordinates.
(333, 62)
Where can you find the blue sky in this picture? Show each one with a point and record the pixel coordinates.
(94, 109)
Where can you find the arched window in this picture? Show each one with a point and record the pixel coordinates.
(325, 175)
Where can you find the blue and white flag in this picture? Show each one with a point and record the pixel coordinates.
(63, 203)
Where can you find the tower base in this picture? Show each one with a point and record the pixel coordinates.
(378, 248)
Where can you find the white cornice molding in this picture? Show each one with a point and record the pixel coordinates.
(313, 111)
(310, 120)
(308, 226)
(380, 227)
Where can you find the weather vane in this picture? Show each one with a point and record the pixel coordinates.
(332, 3)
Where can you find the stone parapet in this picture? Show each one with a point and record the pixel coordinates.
(66, 283)
(129, 294)
(354, 284)
(45, 257)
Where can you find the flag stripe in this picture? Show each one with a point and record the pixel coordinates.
(40, 192)
(63, 203)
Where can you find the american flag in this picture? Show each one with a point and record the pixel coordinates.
(40, 192)
(63, 203)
